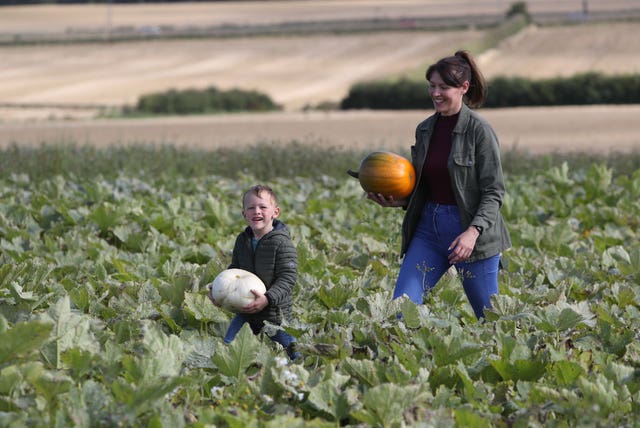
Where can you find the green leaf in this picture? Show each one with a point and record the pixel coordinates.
(448, 349)
(410, 313)
(334, 297)
(408, 357)
(520, 363)
(562, 316)
(140, 398)
(615, 256)
(22, 339)
(602, 392)
(200, 307)
(468, 418)
(164, 354)
(384, 405)
(234, 359)
(106, 216)
(364, 370)
(71, 330)
(327, 397)
(566, 372)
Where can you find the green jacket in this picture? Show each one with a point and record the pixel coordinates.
(476, 178)
(275, 261)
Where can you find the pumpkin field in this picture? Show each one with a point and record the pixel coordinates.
(105, 321)
(111, 230)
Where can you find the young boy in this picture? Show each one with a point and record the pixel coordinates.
(265, 248)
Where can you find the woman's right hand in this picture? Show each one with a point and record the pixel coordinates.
(380, 199)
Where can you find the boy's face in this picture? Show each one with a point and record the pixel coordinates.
(259, 212)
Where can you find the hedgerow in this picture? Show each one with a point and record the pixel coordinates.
(209, 100)
(580, 89)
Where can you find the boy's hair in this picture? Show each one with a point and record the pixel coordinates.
(259, 188)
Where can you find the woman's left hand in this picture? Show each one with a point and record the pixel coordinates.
(462, 247)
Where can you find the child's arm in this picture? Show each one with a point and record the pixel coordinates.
(286, 274)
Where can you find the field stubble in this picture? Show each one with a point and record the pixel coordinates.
(590, 129)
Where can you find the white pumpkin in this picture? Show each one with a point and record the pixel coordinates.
(232, 288)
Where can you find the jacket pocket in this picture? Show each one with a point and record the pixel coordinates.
(463, 172)
(464, 159)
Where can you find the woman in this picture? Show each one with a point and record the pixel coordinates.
(453, 215)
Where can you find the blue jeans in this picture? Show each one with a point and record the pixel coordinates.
(282, 337)
(427, 260)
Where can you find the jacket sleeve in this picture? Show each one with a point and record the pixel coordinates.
(235, 256)
(286, 274)
(490, 178)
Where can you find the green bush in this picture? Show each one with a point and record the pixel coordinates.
(519, 8)
(581, 89)
(209, 100)
(398, 95)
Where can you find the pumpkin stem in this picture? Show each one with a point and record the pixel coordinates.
(354, 174)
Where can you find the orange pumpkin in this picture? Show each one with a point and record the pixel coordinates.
(386, 173)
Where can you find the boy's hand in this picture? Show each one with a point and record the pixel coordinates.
(257, 305)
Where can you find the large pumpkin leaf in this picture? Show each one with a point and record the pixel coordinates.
(366, 371)
(328, 398)
(566, 372)
(164, 354)
(71, 330)
(22, 339)
(385, 404)
(200, 307)
(233, 360)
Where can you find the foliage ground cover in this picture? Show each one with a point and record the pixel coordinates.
(104, 319)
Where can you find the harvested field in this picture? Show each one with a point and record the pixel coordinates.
(150, 18)
(294, 71)
(593, 129)
(51, 92)
(543, 52)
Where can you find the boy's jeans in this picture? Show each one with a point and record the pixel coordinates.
(282, 337)
(427, 260)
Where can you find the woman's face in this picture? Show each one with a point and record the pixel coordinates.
(447, 100)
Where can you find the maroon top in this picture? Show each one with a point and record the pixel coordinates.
(435, 166)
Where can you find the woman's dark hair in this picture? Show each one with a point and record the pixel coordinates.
(457, 69)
